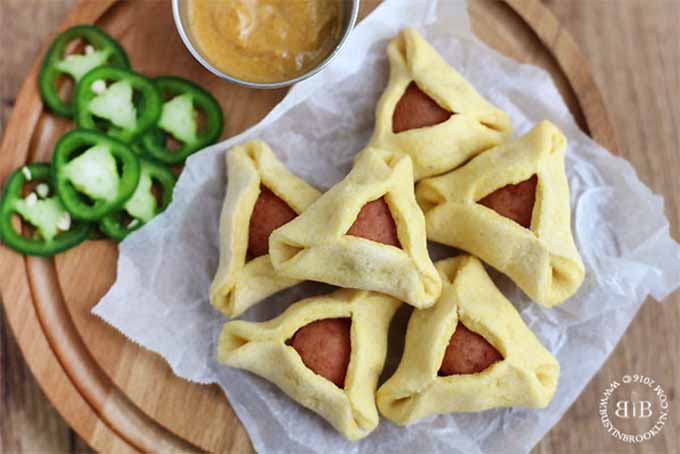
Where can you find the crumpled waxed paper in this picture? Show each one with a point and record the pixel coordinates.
(160, 297)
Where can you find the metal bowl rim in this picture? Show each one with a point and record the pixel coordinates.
(179, 24)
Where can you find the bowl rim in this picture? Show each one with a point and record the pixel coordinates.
(179, 25)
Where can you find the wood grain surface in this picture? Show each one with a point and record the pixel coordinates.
(29, 423)
(635, 57)
(109, 390)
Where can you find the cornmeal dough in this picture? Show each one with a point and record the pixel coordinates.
(543, 260)
(476, 125)
(315, 245)
(239, 284)
(526, 376)
(261, 348)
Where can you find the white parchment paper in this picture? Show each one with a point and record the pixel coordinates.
(160, 297)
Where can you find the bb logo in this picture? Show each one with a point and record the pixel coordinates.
(633, 409)
(640, 409)
(633, 402)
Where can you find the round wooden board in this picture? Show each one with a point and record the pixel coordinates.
(116, 395)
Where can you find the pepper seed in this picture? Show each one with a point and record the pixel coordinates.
(31, 199)
(98, 86)
(43, 190)
(64, 222)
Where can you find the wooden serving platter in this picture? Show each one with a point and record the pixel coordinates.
(116, 395)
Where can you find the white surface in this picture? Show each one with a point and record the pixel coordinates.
(160, 298)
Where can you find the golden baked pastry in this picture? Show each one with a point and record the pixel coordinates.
(337, 241)
(261, 194)
(526, 374)
(463, 209)
(265, 349)
(430, 112)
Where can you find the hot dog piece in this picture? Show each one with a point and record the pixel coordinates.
(515, 201)
(325, 347)
(467, 353)
(269, 213)
(417, 110)
(375, 222)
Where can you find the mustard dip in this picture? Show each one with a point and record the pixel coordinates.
(265, 40)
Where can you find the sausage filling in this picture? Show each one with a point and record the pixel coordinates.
(514, 201)
(269, 213)
(416, 110)
(375, 223)
(467, 353)
(325, 347)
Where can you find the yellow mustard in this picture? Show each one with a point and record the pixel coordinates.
(265, 40)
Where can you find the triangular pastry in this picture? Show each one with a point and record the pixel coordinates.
(272, 350)
(261, 195)
(367, 232)
(499, 362)
(510, 207)
(430, 112)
